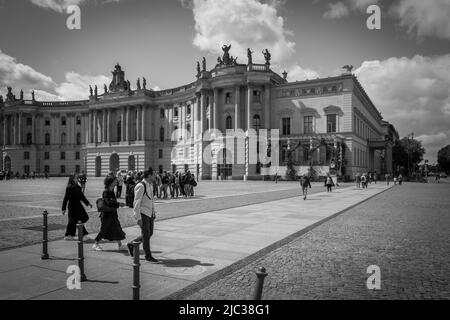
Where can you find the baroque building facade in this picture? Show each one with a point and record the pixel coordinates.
(324, 124)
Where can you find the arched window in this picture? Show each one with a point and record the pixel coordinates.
(78, 138)
(119, 131)
(63, 138)
(161, 134)
(47, 139)
(229, 123)
(78, 121)
(63, 121)
(256, 122)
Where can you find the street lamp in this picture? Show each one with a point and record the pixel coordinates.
(409, 152)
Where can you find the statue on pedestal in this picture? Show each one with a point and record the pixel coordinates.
(96, 91)
(204, 64)
(10, 96)
(91, 93)
(267, 56)
(198, 69)
(32, 96)
(138, 84)
(249, 55)
(144, 83)
(21, 95)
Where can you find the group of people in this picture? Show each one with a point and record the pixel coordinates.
(8, 175)
(305, 183)
(364, 179)
(397, 179)
(141, 189)
(164, 184)
(111, 229)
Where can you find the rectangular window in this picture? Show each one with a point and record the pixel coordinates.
(47, 169)
(26, 155)
(29, 121)
(78, 121)
(77, 155)
(26, 170)
(63, 155)
(47, 122)
(175, 112)
(228, 98)
(331, 123)
(308, 124)
(188, 109)
(256, 96)
(160, 153)
(77, 169)
(63, 169)
(286, 126)
(161, 113)
(47, 156)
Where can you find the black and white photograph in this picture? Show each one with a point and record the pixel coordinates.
(224, 155)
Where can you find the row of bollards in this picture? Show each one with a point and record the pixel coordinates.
(261, 273)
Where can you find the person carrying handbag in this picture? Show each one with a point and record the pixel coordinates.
(111, 229)
(145, 214)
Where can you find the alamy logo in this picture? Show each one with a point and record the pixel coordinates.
(374, 280)
(74, 20)
(374, 21)
(74, 280)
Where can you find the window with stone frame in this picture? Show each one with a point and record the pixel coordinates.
(257, 122)
(228, 98)
(26, 155)
(46, 155)
(78, 121)
(63, 169)
(62, 155)
(331, 123)
(63, 121)
(29, 121)
(256, 96)
(162, 113)
(286, 126)
(308, 124)
(77, 155)
(78, 138)
(47, 139)
(229, 123)
(161, 134)
(29, 138)
(47, 122)
(175, 112)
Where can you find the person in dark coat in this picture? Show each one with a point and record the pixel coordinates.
(305, 182)
(111, 229)
(73, 200)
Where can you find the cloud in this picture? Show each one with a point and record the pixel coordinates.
(413, 94)
(336, 11)
(76, 86)
(61, 5)
(57, 5)
(429, 18)
(297, 73)
(23, 77)
(243, 24)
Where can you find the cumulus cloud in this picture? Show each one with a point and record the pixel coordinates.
(424, 18)
(61, 5)
(23, 77)
(297, 73)
(76, 86)
(336, 11)
(414, 95)
(243, 24)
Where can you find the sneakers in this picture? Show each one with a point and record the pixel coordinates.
(97, 247)
(69, 238)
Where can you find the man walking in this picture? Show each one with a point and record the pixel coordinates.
(144, 213)
(305, 182)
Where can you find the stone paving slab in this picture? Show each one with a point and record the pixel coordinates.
(190, 248)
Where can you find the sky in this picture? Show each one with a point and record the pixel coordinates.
(404, 67)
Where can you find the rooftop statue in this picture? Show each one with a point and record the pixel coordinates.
(91, 91)
(96, 91)
(21, 94)
(204, 64)
(144, 83)
(226, 59)
(118, 82)
(105, 88)
(348, 68)
(249, 55)
(198, 68)
(10, 96)
(32, 96)
(267, 56)
(138, 84)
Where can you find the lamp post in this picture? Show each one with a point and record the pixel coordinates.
(409, 153)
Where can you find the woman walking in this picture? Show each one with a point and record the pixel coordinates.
(329, 183)
(73, 200)
(111, 229)
(119, 184)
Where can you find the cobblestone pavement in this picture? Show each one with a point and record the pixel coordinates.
(405, 231)
(22, 204)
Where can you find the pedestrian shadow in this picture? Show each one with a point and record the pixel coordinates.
(102, 281)
(186, 263)
(61, 259)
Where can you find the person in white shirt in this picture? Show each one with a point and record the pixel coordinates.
(145, 214)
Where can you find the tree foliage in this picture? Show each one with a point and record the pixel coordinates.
(407, 153)
(444, 158)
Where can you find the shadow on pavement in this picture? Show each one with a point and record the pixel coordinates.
(177, 263)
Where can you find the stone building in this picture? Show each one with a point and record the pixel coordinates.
(323, 123)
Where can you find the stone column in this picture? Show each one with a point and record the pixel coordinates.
(20, 138)
(89, 133)
(267, 107)
(216, 109)
(4, 130)
(33, 128)
(104, 124)
(237, 110)
(123, 124)
(128, 124)
(143, 124)
(139, 124)
(108, 126)
(95, 126)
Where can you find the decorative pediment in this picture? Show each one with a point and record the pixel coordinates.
(286, 112)
(334, 110)
(304, 110)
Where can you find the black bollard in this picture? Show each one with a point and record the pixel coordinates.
(261, 274)
(136, 265)
(45, 255)
(80, 251)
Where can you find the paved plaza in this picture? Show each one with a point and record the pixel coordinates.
(314, 249)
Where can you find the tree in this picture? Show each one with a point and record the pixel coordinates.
(407, 153)
(444, 158)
